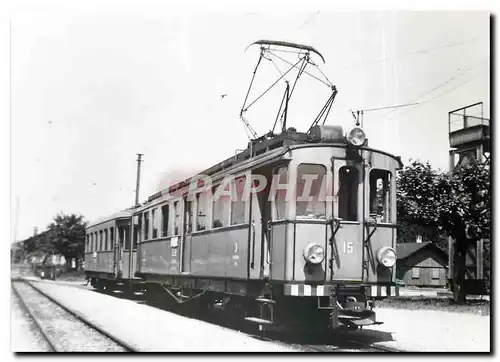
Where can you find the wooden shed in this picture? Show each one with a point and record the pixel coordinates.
(421, 264)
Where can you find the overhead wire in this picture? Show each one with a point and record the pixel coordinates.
(421, 103)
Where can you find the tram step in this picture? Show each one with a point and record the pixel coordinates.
(258, 320)
(265, 301)
(348, 316)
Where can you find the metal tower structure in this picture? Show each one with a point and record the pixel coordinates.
(470, 138)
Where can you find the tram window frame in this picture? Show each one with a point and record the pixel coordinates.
(202, 199)
(146, 228)
(154, 228)
(315, 200)
(101, 238)
(279, 204)
(238, 205)
(111, 238)
(177, 218)
(165, 222)
(382, 213)
(220, 208)
(348, 203)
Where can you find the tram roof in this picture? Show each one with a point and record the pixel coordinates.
(117, 215)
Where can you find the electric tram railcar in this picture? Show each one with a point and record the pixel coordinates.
(280, 260)
(317, 252)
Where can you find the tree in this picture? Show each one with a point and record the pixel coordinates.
(67, 236)
(457, 203)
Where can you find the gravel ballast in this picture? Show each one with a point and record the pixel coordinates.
(68, 334)
(151, 329)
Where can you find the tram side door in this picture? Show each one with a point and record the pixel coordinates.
(259, 219)
(186, 236)
(345, 247)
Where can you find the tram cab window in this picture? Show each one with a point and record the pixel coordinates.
(310, 178)
(237, 202)
(177, 218)
(87, 243)
(380, 195)
(165, 222)
(348, 193)
(279, 188)
(201, 210)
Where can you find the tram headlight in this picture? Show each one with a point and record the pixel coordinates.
(356, 136)
(386, 256)
(314, 253)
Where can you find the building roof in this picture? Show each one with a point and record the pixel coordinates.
(404, 250)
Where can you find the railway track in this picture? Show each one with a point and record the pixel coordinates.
(338, 343)
(64, 330)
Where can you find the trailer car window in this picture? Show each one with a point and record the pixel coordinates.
(154, 227)
(112, 237)
(309, 183)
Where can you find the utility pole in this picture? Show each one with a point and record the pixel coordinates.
(139, 160)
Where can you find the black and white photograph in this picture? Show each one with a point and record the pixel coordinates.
(270, 177)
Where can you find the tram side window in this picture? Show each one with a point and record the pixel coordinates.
(280, 179)
(380, 195)
(95, 240)
(106, 240)
(348, 193)
(112, 237)
(220, 207)
(201, 210)
(165, 222)
(177, 218)
(146, 225)
(153, 224)
(101, 238)
(87, 243)
(137, 230)
(310, 180)
(238, 205)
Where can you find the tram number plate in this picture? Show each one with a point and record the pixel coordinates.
(348, 247)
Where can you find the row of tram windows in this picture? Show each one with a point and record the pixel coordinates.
(312, 191)
(104, 240)
(215, 208)
(210, 210)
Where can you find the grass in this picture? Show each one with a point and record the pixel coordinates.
(476, 307)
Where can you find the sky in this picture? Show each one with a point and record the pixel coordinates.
(93, 85)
